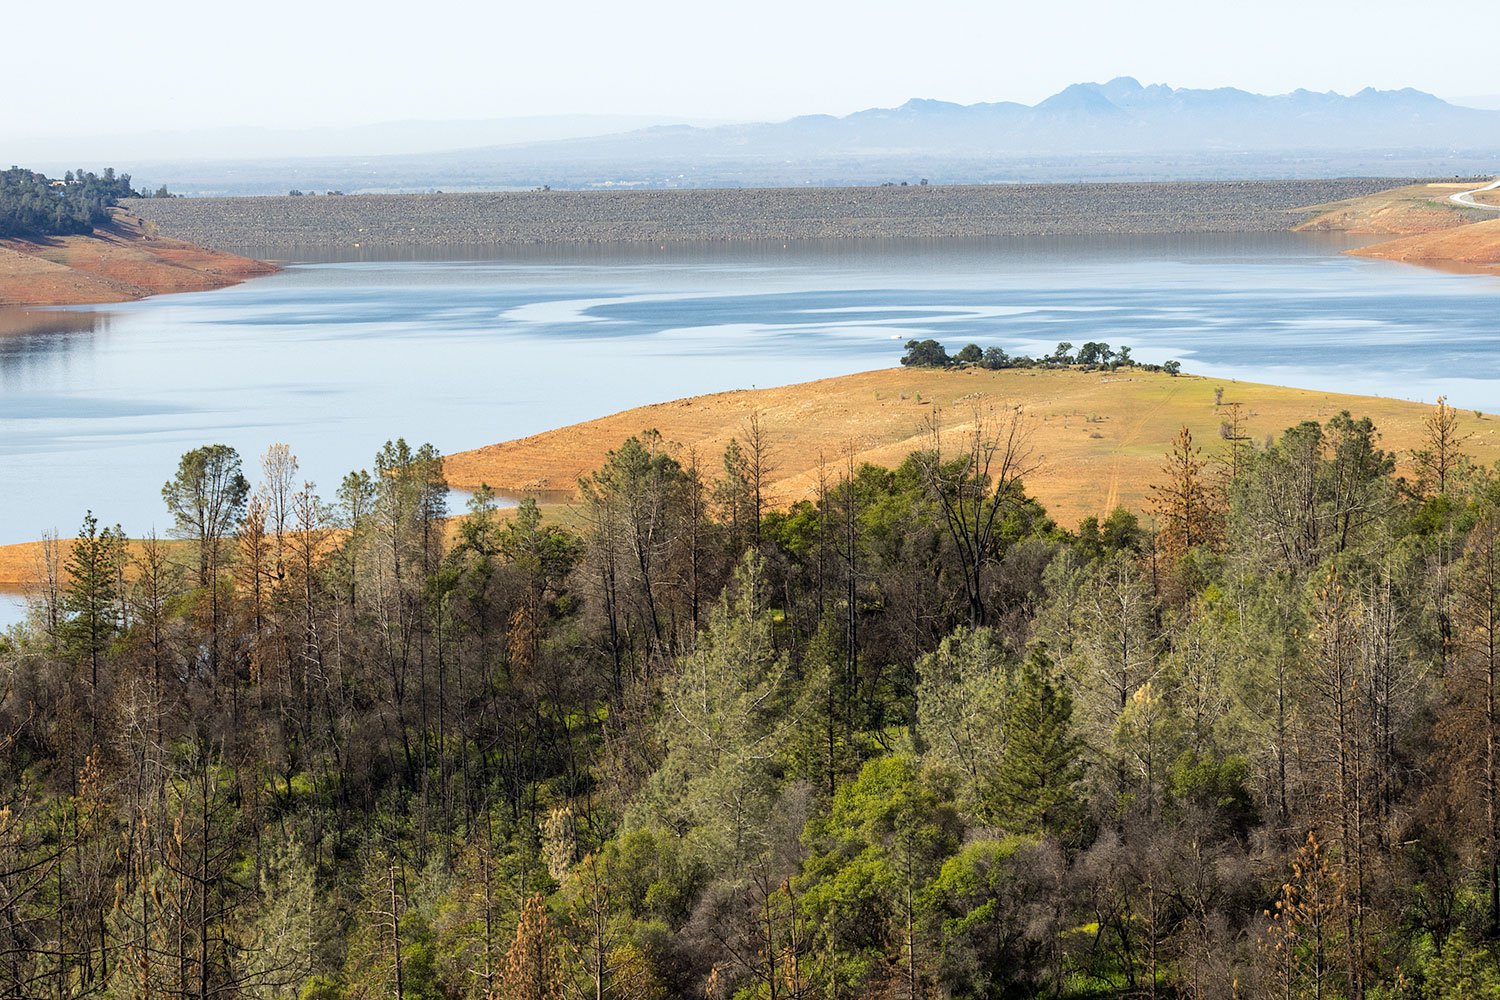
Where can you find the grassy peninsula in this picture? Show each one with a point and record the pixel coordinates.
(903, 715)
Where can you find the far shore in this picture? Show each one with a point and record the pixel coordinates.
(1419, 220)
(682, 215)
(125, 261)
(1422, 224)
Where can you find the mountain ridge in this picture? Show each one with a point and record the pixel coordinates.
(1119, 129)
(1121, 115)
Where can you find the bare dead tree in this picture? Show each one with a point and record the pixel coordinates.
(278, 468)
(47, 594)
(759, 466)
(976, 485)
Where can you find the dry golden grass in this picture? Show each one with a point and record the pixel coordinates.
(19, 564)
(1416, 208)
(1101, 437)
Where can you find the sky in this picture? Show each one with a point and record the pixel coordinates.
(184, 64)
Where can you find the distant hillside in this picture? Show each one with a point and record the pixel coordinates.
(1118, 130)
(1114, 118)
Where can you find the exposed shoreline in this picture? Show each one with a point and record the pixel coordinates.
(1428, 224)
(1472, 248)
(161, 246)
(122, 262)
(776, 214)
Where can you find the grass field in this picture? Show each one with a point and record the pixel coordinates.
(1101, 437)
(1402, 211)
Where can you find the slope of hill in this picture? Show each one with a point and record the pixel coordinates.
(126, 260)
(1101, 437)
(1472, 247)
(1401, 211)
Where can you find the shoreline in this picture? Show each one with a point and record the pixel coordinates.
(123, 262)
(1436, 224)
(1103, 435)
(1473, 248)
(326, 225)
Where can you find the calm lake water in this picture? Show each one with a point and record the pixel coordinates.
(334, 356)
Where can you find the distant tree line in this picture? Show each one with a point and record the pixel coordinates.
(33, 204)
(1092, 356)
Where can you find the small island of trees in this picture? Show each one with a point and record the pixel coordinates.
(1092, 356)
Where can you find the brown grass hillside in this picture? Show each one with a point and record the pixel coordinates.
(1102, 436)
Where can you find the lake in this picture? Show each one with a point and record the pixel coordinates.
(336, 355)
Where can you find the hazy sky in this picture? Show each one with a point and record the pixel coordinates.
(187, 63)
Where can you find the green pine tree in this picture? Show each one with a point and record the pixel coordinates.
(92, 599)
(1036, 781)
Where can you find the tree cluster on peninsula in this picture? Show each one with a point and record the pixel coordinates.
(34, 205)
(1092, 356)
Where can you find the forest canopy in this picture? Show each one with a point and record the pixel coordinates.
(32, 204)
(907, 737)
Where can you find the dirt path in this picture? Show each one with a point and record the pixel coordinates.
(1112, 494)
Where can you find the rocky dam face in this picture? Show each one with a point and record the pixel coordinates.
(898, 212)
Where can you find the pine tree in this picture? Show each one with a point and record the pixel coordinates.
(1302, 933)
(1441, 462)
(92, 596)
(1189, 506)
(1036, 780)
(532, 970)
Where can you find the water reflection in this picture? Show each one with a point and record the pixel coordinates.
(29, 336)
(13, 608)
(23, 321)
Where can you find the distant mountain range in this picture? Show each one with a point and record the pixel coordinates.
(1115, 130)
(1114, 118)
